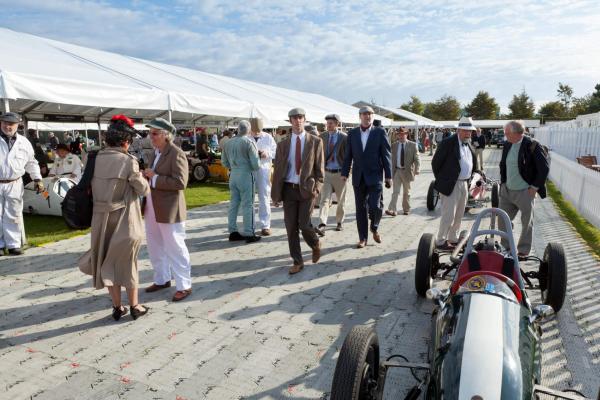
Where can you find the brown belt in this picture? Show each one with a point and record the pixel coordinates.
(8, 180)
(293, 185)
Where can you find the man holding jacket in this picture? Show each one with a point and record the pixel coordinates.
(523, 172)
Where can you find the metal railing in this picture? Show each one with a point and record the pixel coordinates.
(579, 185)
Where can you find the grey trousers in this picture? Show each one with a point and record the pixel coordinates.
(296, 215)
(513, 201)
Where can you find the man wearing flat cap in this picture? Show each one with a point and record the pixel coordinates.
(334, 147)
(368, 153)
(17, 157)
(453, 164)
(266, 152)
(297, 181)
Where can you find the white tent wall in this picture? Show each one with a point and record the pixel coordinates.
(74, 80)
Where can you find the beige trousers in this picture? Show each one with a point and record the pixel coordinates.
(401, 181)
(332, 181)
(479, 156)
(453, 209)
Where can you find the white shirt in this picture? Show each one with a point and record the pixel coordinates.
(156, 158)
(267, 144)
(466, 161)
(291, 176)
(70, 165)
(400, 144)
(19, 160)
(364, 136)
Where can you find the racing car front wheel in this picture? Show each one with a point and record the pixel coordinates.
(200, 173)
(553, 276)
(495, 195)
(432, 196)
(423, 267)
(356, 375)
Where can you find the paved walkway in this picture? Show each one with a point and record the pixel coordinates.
(249, 330)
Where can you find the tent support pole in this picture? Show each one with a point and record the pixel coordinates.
(170, 116)
(6, 106)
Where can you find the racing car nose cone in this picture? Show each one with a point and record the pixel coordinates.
(476, 397)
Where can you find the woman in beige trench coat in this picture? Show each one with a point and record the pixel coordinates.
(117, 226)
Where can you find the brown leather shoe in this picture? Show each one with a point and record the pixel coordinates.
(155, 288)
(181, 294)
(265, 232)
(390, 213)
(406, 212)
(376, 237)
(316, 253)
(296, 268)
(361, 244)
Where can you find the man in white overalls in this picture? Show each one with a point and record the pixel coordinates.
(66, 165)
(266, 152)
(16, 158)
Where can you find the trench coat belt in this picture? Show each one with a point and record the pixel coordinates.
(8, 180)
(106, 207)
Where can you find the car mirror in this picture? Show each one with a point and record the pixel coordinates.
(541, 312)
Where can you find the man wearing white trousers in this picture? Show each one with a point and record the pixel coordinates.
(16, 158)
(453, 164)
(165, 212)
(266, 152)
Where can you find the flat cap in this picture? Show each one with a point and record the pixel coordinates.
(161, 123)
(10, 117)
(296, 111)
(333, 116)
(366, 109)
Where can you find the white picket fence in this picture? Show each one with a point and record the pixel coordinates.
(569, 141)
(579, 185)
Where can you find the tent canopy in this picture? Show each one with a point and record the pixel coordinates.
(415, 118)
(46, 77)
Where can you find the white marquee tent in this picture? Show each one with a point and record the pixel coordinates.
(414, 120)
(42, 78)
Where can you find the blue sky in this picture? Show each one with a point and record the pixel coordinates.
(346, 49)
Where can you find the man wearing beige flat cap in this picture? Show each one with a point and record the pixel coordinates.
(297, 181)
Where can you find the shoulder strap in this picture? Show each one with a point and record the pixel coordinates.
(88, 172)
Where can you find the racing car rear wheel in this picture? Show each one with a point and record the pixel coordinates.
(200, 173)
(432, 196)
(553, 276)
(423, 267)
(356, 374)
(495, 195)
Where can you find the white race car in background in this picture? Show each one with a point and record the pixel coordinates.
(48, 202)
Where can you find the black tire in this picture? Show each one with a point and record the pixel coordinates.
(495, 195)
(432, 197)
(424, 265)
(356, 373)
(553, 276)
(200, 173)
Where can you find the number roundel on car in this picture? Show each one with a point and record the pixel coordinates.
(476, 283)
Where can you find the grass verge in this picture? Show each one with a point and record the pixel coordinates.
(44, 229)
(587, 231)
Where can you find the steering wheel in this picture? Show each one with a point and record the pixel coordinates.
(509, 282)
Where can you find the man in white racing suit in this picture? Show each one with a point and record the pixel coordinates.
(266, 152)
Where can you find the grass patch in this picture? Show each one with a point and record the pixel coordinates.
(44, 229)
(587, 231)
(203, 194)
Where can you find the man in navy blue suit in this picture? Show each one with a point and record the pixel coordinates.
(368, 152)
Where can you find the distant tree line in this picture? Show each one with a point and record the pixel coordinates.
(484, 106)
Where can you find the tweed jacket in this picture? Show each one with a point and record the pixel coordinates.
(340, 147)
(312, 169)
(412, 161)
(167, 195)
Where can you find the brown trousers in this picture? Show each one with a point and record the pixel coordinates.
(296, 215)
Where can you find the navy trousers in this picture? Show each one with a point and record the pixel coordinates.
(369, 206)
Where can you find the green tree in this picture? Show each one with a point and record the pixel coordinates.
(483, 106)
(565, 94)
(552, 110)
(521, 106)
(594, 105)
(446, 108)
(580, 105)
(415, 105)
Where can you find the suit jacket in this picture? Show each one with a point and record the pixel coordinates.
(412, 161)
(371, 163)
(533, 166)
(480, 140)
(167, 196)
(446, 165)
(340, 147)
(312, 169)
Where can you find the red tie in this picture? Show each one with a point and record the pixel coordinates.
(331, 148)
(298, 154)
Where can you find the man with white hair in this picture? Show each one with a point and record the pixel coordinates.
(523, 172)
(17, 157)
(240, 155)
(453, 164)
(266, 151)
